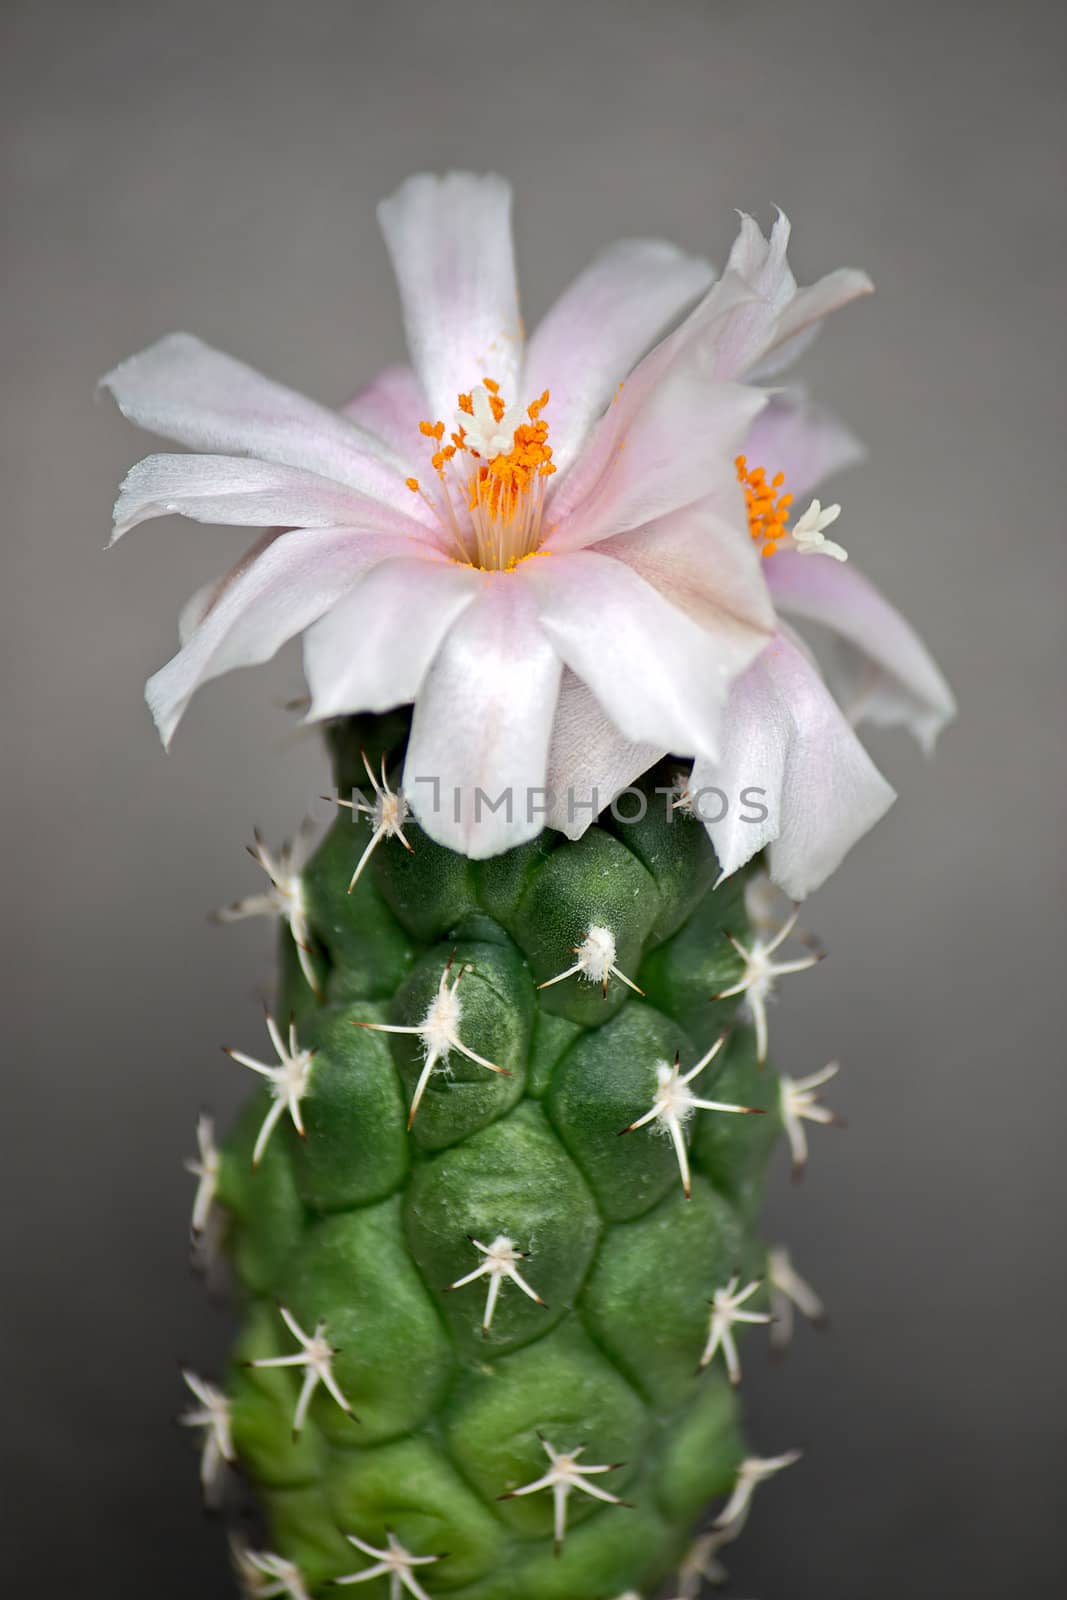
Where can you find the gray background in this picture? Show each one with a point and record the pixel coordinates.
(215, 167)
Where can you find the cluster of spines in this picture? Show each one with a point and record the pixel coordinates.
(595, 966)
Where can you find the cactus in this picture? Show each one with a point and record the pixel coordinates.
(539, 1277)
(492, 1208)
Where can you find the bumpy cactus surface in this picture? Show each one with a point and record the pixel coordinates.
(463, 1305)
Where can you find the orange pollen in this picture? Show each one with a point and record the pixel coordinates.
(767, 507)
(503, 495)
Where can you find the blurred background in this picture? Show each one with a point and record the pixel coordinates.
(214, 167)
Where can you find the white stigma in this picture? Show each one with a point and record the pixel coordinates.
(439, 1034)
(501, 1258)
(485, 436)
(726, 1310)
(807, 532)
(316, 1355)
(288, 1081)
(797, 1099)
(674, 1103)
(564, 1474)
(393, 1562)
(596, 962)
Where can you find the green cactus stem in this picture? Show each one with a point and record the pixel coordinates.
(494, 1249)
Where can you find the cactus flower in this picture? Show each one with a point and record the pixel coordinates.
(502, 535)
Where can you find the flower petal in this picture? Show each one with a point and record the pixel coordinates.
(371, 651)
(697, 559)
(183, 389)
(802, 440)
(671, 418)
(661, 679)
(787, 749)
(589, 761)
(482, 725)
(600, 327)
(391, 407)
(450, 243)
(882, 672)
(267, 601)
(200, 603)
(676, 448)
(773, 330)
(233, 490)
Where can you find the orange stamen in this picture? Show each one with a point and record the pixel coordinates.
(503, 495)
(767, 507)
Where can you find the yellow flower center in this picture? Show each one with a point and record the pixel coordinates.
(492, 478)
(767, 507)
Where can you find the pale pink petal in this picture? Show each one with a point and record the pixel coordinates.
(669, 437)
(660, 677)
(800, 321)
(699, 560)
(183, 389)
(482, 725)
(678, 448)
(370, 652)
(288, 586)
(391, 407)
(200, 603)
(765, 336)
(450, 243)
(799, 438)
(882, 671)
(589, 761)
(234, 490)
(600, 327)
(786, 748)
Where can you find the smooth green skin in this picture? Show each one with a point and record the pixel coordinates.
(365, 1224)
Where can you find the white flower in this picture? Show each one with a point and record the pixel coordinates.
(284, 899)
(212, 1415)
(564, 1474)
(799, 1105)
(316, 1356)
(541, 546)
(501, 1258)
(289, 1081)
(438, 1033)
(674, 1104)
(395, 1563)
(726, 1309)
(787, 732)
